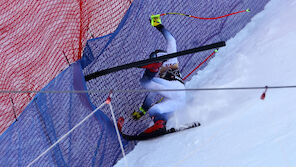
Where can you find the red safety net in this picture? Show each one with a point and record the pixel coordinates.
(38, 39)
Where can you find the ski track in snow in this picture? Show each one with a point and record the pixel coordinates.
(238, 129)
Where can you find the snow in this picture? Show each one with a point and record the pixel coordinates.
(238, 128)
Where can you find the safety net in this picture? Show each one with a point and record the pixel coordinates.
(50, 115)
(41, 38)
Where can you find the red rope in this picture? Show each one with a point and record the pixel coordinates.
(199, 65)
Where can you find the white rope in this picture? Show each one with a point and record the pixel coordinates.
(118, 135)
(65, 135)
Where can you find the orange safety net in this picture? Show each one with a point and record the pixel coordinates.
(39, 39)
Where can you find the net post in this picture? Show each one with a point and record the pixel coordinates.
(13, 108)
(66, 58)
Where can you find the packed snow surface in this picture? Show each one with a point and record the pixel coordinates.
(238, 128)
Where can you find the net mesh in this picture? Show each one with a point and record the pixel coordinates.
(49, 116)
(46, 34)
(39, 38)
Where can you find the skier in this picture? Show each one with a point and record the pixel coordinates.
(169, 78)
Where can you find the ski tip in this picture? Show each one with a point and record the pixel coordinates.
(120, 123)
(248, 10)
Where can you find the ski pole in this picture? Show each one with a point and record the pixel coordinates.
(200, 64)
(206, 18)
(155, 19)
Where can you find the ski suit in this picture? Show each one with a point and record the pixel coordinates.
(173, 100)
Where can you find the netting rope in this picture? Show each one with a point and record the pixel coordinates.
(108, 101)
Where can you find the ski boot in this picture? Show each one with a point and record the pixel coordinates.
(157, 129)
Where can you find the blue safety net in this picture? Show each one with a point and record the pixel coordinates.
(50, 115)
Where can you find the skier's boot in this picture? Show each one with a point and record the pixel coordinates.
(157, 129)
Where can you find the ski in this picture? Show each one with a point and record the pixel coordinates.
(142, 63)
(146, 136)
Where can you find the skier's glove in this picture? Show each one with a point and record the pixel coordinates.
(138, 114)
(155, 20)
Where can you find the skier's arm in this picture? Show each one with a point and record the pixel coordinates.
(171, 42)
(171, 48)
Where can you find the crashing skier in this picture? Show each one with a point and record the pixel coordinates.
(169, 78)
(166, 85)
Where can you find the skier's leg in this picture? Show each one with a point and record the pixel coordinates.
(146, 78)
(159, 118)
(148, 101)
(163, 110)
(148, 83)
